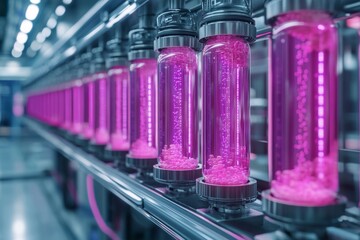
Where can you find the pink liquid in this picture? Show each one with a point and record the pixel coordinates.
(143, 86)
(89, 105)
(101, 136)
(68, 108)
(119, 80)
(303, 102)
(178, 118)
(77, 107)
(226, 110)
(60, 102)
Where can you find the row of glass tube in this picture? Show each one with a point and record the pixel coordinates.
(150, 108)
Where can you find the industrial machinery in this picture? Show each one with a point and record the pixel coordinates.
(153, 100)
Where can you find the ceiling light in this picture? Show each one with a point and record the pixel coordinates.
(40, 37)
(19, 46)
(31, 53)
(66, 2)
(26, 26)
(51, 23)
(15, 53)
(32, 12)
(60, 10)
(35, 1)
(70, 51)
(46, 32)
(35, 45)
(126, 11)
(22, 37)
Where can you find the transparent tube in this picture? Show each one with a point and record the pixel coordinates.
(119, 81)
(68, 109)
(77, 102)
(226, 110)
(178, 112)
(101, 132)
(303, 108)
(143, 87)
(89, 107)
(60, 103)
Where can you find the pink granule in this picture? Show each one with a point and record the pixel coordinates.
(172, 158)
(219, 172)
(299, 185)
(141, 149)
(118, 141)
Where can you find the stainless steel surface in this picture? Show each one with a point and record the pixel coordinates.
(274, 8)
(177, 178)
(243, 29)
(297, 216)
(179, 221)
(231, 196)
(176, 41)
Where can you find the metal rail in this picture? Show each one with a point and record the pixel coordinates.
(177, 220)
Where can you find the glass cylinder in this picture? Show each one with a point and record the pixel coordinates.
(143, 87)
(101, 132)
(60, 105)
(303, 147)
(119, 82)
(68, 108)
(89, 108)
(226, 110)
(77, 107)
(178, 111)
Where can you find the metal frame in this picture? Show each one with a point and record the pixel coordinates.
(177, 220)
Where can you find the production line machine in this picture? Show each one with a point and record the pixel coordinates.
(154, 102)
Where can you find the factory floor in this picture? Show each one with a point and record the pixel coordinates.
(27, 210)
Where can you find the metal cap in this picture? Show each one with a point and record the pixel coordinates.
(85, 63)
(116, 53)
(176, 178)
(141, 54)
(227, 17)
(173, 24)
(297, 215)
(176, 41)
(98, 59)
(274, 8)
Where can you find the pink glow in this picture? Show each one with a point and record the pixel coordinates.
(226, 110)
(119, 108)
(178, 118)
(353, 22)
(68, 109)
(89, 105)
(303, 100)
(119, 142)
(143, 108)
(95, 210)
(101, 135)
(78, 110)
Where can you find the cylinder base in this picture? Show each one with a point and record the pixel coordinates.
(144, 166)
(227, 198)
(296, 217)
(97, 150)
(117, 156)
(177, 178)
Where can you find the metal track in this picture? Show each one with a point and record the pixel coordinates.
(179, 221)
